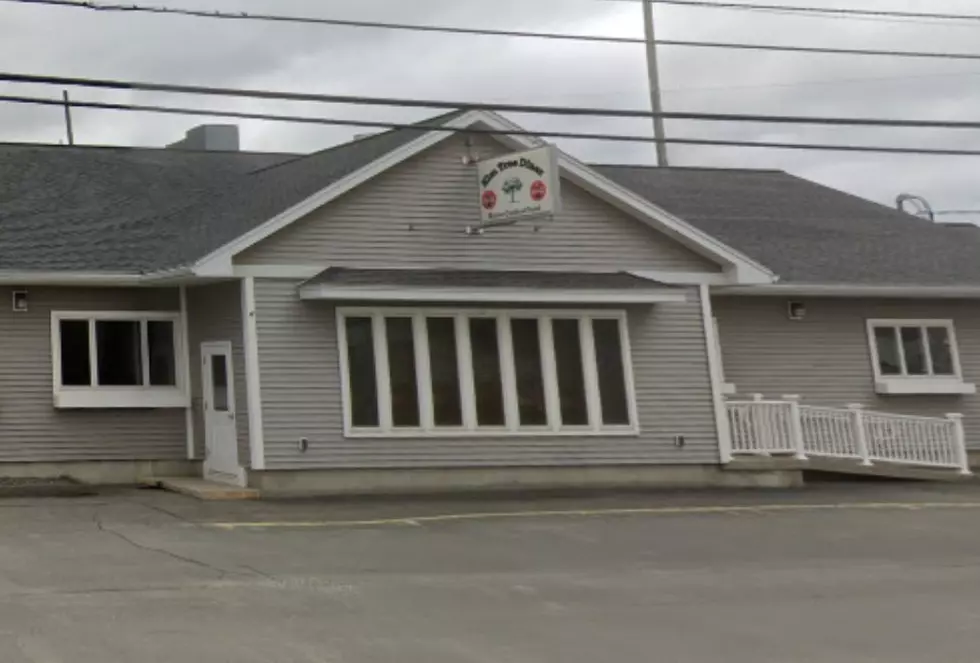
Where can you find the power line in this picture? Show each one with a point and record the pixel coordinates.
(423, 126)
(465, 105)
(839, 11)
(242, 16)
(312, 20)
(820, 49)
(826, 81)
(944, 20)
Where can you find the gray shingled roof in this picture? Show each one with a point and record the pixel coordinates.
(808, 233)
(88, 208)
(144, 210)
(121, 209)
(467, 278)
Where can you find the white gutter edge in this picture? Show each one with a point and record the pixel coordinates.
(836, 290)
(27, 277)
(683, 278)
(466, 294)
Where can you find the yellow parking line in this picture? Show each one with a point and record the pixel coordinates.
(415, 521)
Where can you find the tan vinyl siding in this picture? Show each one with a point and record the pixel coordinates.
(415, 214)
(301, 397)
(826, 358)
(215, 314)
(31, 429)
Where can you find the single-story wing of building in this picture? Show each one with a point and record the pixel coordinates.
(466, 308)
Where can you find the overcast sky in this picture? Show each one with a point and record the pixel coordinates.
(65, 41)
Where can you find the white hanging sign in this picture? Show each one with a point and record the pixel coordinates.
(519, 186)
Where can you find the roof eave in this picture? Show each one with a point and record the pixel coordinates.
(328, 292)
(92, 278)
(845, 290)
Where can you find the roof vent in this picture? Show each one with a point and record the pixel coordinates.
(209, 137)
(920, 206)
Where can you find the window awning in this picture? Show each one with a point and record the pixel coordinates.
(449, 285)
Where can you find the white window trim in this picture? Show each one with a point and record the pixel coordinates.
(918, 384)
(117, 397)
(470, 428)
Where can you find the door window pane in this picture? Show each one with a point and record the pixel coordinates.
(219, 383)
(119, 353)
(163, 362)
(527, 366)
(75, 363)
(889, 362)
(486, 372)
(914, 351)
(611, 373)
(446, 405)
(940, 351)
(401, 368)
(363, 379)
(571, 379)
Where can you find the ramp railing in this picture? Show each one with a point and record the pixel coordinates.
(785, 426)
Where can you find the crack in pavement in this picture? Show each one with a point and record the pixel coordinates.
(267, 576)
(222, 573)
(160, 509)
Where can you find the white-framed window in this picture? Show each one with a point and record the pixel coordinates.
(117, 359)
(411, 372)
(916, 356)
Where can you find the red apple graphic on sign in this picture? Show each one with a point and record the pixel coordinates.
(489, 200)
(538, 191)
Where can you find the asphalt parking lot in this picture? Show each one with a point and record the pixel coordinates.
(838, 572)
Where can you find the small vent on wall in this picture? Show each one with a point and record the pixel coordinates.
(796, 310)
(19, 301)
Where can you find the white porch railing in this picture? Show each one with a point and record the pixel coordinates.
(767, 427)
(761, 427)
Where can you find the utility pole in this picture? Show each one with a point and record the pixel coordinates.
(654, 74)
(71, 133)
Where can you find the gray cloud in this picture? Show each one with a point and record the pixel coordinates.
(380, 63)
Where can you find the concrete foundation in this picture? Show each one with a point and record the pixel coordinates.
(847, 466)
(104, 473)
(302, 483)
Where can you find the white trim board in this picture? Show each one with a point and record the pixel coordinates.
(742, 268)
(253, 382)
(853, 291)
(488, 295)
(304, 272)
(716, 373)
(186, 362)
(684, 278)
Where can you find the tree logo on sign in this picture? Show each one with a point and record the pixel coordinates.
(512, 186)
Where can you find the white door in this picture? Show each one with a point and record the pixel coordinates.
(220, 431)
